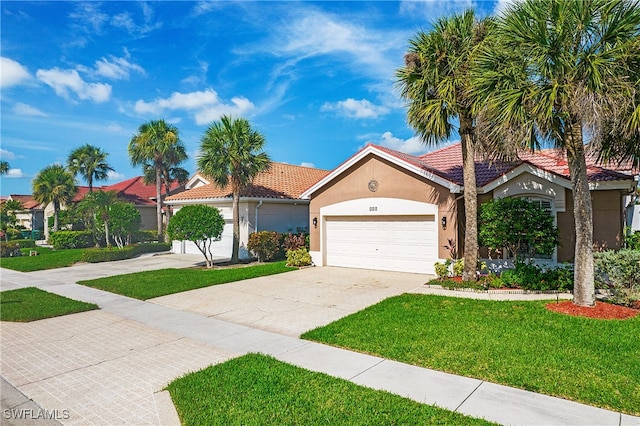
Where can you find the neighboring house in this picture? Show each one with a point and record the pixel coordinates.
(271, 203)
(32, 217)
(133, 191)
(383, 209)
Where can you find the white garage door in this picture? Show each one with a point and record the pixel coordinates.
(220, 248)
(391, 243)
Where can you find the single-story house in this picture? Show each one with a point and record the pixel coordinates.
(134, 191)
(384, 209)
(32, 216)
(272, 202)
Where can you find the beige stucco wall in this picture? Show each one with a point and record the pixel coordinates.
(393, 182)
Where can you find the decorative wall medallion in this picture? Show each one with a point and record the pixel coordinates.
(373, 185)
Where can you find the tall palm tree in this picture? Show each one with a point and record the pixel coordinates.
(152, 144)
(557, 71)
(435, 81)
(90, 162)
(54, 184)
(4, 167)
(231, 153)
(170, 171)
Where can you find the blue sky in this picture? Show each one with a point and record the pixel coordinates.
(315, 78)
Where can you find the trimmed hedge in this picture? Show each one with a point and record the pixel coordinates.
(10, 249)
(71, 239)
(147, 236)
(109, 254)
(25, 243)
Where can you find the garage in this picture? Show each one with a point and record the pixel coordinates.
(393, 243)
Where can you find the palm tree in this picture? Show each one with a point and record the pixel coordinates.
(231, 154)
(54, 184)
(170, 171)
(152, 145)
(90, 162)
(435, 81)
(99, 203)
(557, 71)
(4, 167)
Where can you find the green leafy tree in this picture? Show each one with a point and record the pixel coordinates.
(99, 203)
(518, 225)
(198, 223)
(231, 154)
(4, 167)
(124, 220)
(8, 217)
(557, 71)
(436, 83)
(90, 162)
(54, 184)
(153, 145)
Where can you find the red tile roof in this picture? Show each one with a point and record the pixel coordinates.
(281, 181)
(132, 190)
(447, 163)
(27, 201)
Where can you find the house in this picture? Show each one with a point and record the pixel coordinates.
(32, 216)
(134, 191)
(383, 209)
(272, 202)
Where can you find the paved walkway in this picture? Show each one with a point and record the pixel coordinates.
(110, 366)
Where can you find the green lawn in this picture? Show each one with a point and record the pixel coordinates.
(518, 344)
(31, 304)
(258, 390)
(47, 259)
(150, 284)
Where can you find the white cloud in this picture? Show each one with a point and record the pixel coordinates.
(24, 109)
(206, 105)
(351, 108)
(111, 175)
(433, 9)
(412, 145)
(305, 164)
(502, 6)
(11, 72)
(7, 155)
(116, 68)
(68, 81)
(15, 174)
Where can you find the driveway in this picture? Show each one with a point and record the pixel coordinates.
(297, 301)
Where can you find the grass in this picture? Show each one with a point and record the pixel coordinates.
(257, 390)
(31, 304)
(150, 284)
(46, 259)
(519, 344)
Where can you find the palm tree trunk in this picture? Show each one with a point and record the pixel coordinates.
(159, 204)
(470, 199)
(236, 226)
(56, 215)
(583, 284)
(167, 192)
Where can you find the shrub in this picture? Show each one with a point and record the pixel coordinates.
(458, 267)
(144, 236)
(442, 269)
(294, 242)
(632, 241)
(619, 271)
(25, 243)
(299, 257)
(532, 277)
(10, 249)
(265, 245)
(71, 239)
(96, 255)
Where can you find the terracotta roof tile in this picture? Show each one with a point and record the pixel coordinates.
(281, 181)
(27, 201)
(132, 190)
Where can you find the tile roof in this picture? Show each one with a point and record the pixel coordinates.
(281, 181)
(132, 190)
(27, 201)
(447, 163)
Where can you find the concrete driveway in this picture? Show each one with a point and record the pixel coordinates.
(297, 301)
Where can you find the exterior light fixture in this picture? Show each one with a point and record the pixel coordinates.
(444, 222)
(315, 222)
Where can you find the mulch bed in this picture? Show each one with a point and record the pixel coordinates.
(601, 310)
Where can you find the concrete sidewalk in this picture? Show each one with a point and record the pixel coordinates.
(109, 366)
